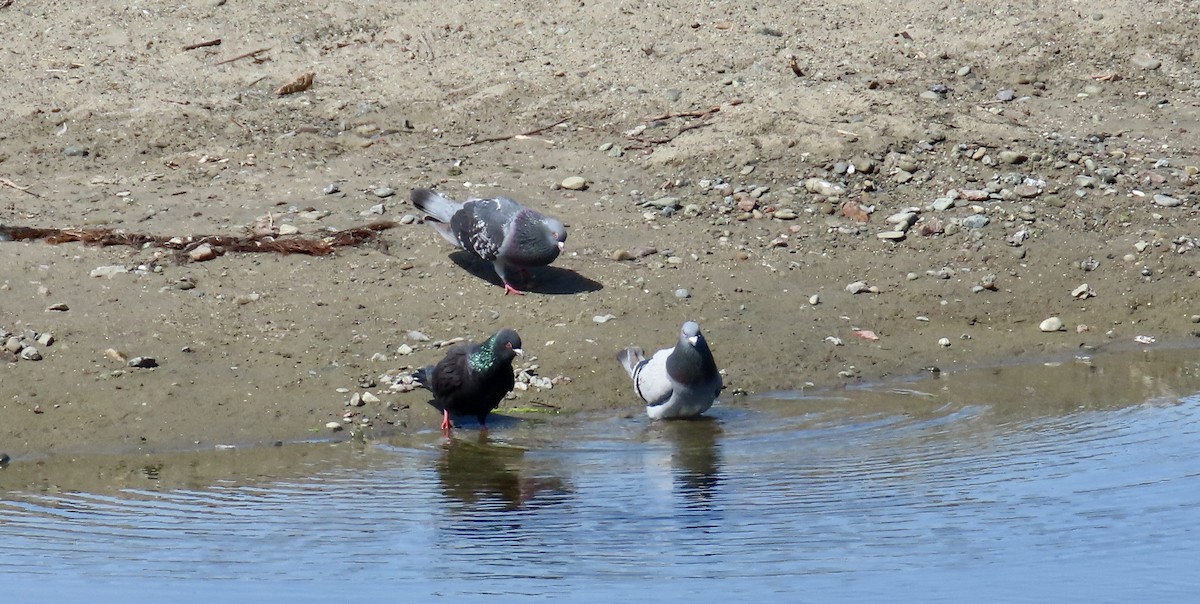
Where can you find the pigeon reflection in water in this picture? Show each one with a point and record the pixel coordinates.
(491, 476)
(695, 458)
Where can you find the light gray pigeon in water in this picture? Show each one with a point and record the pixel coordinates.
(499, 230)
(676, 382)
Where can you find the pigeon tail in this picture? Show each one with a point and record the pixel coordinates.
(630, 358)
(433, 204)
(424, 377)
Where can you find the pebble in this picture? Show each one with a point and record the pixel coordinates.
(1006, 95)
(574, 183)
(944, 342)
(942, 204)
(1051, 324)
(202, 253)
(1026, 191)
(786, 214)
(1082, 292)
(75, 151)
(892, 235)
(355, 400)
(331, 188)
(1145, 61)
(815, 300)
(404, 349)
(108, 271)
(976, 221)
(824, 187)
(384, 192)
(859, 287)
(288, 229)
(602, 319)
(30, 353)
(1167, 201)
(662, 202)
(45, 339)
(59, 307)
(143, 362)
(682, 293)
(1012, 157)
(334, 426)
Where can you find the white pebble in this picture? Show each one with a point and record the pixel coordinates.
(1051, 324)
(814, 299)
(944, 342)
(603, 318)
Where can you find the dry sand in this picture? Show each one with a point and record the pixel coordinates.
(268, 347)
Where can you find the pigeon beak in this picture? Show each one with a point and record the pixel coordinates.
(519, 352)
(692, 340)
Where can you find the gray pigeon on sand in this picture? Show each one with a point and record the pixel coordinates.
(499, 230)
(679, 382)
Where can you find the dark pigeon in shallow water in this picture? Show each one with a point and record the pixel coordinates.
(677, 382)
(473, 378)
(499, 230)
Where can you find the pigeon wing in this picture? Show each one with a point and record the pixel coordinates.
(480, 225)
(651, 381)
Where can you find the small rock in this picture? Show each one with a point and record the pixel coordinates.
(355, 400)
(1026, 191)
(333, 426)
(288, 229)
(13, 345)
(785, 214)
(574, 183)
(75, 151)
(976, 221)
(202, 253)
(682, 293)
(1145, 61)
(1012, 157)
(1006, 95)
(404, 349)
(143, 362)
(1167, 201)
(602, 319)
(45, 339)
(29, 353)
(1083, 292)
(942, 204)
(857, 287)
(1051, 324)
(824, 187)
(384, 192)
(331, 188)
(59, 307)
(417, 336)
(892, 235)
(944, 342)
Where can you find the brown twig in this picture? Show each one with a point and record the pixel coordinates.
(795, 67)
(243, 56)
(496, 139)
(216, 42)
(698, 113)
(667, 139)
(354, 236)
(8, 183)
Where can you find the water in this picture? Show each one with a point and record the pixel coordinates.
(1078, 482)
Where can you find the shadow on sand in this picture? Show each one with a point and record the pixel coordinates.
(542, 280)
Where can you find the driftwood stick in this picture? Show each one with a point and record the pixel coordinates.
(216, 42)
(243, 56)
(496, 139)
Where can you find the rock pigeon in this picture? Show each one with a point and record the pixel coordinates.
(677, 382)
(499, 230)
(472, 378)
